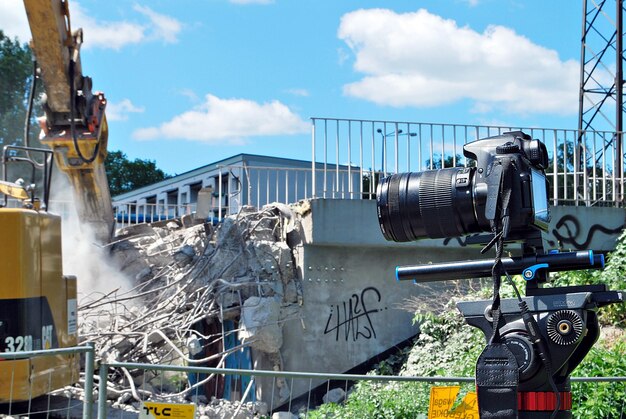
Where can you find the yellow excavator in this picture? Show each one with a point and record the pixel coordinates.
(37, 302)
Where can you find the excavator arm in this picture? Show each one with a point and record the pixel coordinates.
(75, 126)
(38, 304)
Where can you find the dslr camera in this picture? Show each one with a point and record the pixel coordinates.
(548, 332)
(461, 200)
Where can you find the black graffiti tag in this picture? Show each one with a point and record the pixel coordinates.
(573, 230)
(467, 240)
(353, 316)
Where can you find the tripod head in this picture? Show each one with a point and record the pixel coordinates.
(565, 317)
(568, 323)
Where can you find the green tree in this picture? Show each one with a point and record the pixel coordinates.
(16, 70)
(448, 161)
(125, 175)
(16, 78)
(369, 187)
(592, 174)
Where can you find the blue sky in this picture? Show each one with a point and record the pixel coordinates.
(192, 82)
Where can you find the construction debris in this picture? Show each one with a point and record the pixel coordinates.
(189, 279)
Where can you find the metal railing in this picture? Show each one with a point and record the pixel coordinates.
(269, 391)
(350, 156)
(277, 389)
(582, 167)
(258, 186)
(131, 213)
(87, 403)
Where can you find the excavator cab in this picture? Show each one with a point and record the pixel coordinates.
(38, 304)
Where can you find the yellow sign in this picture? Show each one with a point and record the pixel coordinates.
(153, 410)
(442, 399)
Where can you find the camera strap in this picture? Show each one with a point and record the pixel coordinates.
(497, 372)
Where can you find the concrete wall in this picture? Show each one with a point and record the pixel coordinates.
(344, 222)
(353, 308)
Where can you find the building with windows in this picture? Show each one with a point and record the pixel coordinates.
(223, 187)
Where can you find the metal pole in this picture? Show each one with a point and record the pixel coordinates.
(325, 157)
(229, 203)
(89, 361)
(219, 194)
(581, 90)
(619, 84)
(361, 161)
(285, 374)
(555, 171)
(102, 391)
(313, 194)
(349, 160)
(578, 164)
(408, 147)
(337, 161)
(246, 171)
(373, 178)
(383, 163)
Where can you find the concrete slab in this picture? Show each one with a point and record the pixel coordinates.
(353, 308)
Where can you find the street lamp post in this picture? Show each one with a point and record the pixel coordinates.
(383, 165)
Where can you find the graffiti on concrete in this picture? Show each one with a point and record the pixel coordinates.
(467, 240)
(568, 232)
(459, 240)
(351, 319)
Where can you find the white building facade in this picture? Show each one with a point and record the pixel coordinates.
(222, 188)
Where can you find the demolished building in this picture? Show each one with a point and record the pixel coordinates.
(303, 287)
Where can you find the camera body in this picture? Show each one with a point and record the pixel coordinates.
(458, 201)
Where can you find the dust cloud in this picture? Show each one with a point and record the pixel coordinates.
(83, 257)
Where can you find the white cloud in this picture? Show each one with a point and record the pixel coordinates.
(13, 20)
(189, 94)
(252, 1)
(422, 60)
(342, 56)
(101, 34)
(163, 27)
(119, 111)
(231, 120)
(299, 92)
(97, 33)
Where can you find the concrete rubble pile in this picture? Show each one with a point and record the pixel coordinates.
(188, 274)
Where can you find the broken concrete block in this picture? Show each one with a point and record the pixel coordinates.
(172, 225)
(260, 324)
(283, 415)
(336, 395)
(184, 255)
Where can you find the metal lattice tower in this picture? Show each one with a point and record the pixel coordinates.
(601, 105)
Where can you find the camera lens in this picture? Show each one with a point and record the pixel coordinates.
(434, 203)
